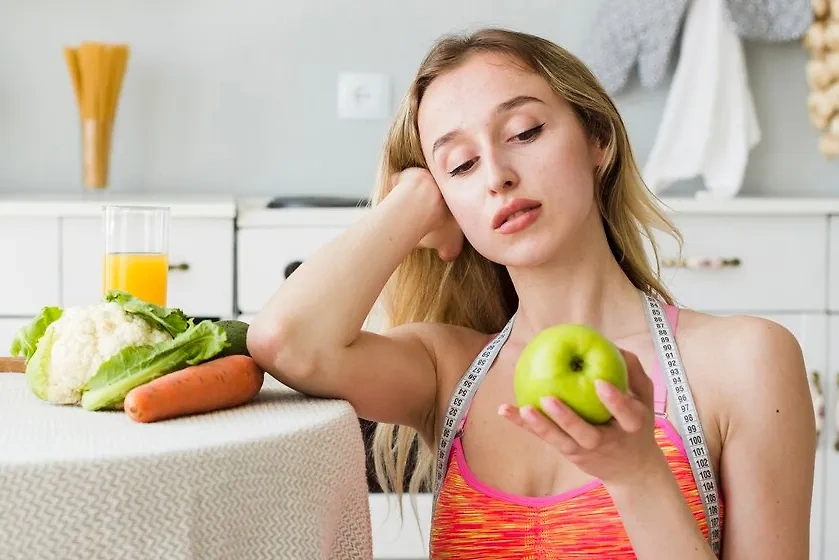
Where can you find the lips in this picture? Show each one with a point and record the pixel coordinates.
(512, 210)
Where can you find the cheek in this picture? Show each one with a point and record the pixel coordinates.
(467, 205)
(565, 175)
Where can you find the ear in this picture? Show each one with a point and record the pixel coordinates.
(597, 152)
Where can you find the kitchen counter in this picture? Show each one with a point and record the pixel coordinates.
(252, 211)
(87, 204)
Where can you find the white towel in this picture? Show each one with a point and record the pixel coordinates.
(709, 124)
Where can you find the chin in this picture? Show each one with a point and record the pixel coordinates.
(528, 252)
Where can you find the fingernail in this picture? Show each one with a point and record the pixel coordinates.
(604, 389)
(549, 403)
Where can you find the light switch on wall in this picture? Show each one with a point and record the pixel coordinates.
(363, 95)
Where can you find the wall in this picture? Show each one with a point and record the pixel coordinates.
(240, 97)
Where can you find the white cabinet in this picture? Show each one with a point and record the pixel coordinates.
(830, 444)
(201, 257)
(8, 328)
(747, 263)
(29, 265)
(400, 538)
(267, 255)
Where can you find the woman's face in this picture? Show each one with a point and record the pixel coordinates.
(498, 139)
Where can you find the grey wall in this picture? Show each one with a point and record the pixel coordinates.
(228, 96)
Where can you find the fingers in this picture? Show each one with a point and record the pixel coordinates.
(628, 412)
(584, 434)
(534, 421)
(640, 383)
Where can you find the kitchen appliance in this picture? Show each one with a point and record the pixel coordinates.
(316, 201)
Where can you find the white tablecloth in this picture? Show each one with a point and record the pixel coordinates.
(280, 478)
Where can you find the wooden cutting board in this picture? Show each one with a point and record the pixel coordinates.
(12, 365)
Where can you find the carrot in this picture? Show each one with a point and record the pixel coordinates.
(213, 385)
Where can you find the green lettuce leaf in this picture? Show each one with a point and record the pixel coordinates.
(25, 341)
(172, 320)
(137, 365)
(38, 366)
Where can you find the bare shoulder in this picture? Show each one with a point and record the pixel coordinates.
(753, 374)
(744, 343)
(755, 363)
(452, 349)
(448, 345)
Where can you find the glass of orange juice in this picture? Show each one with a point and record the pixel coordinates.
(136, 256)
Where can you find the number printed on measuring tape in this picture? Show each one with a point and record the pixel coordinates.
(692, 433)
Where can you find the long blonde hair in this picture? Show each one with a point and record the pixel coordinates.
(472, 291)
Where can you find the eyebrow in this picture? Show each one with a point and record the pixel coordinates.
(503, 107)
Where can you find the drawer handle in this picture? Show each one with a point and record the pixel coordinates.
(179, 266)
(701, 263)
(291, 267)
(817, 394)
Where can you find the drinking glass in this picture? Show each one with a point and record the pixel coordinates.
(136, 258)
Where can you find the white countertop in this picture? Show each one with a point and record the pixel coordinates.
(90, 204)
(252, 212)
(753, 205)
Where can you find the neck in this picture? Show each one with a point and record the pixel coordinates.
(583, 285)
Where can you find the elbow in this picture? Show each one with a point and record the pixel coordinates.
(272, 344)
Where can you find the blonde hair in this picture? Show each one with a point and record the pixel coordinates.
(472, 291)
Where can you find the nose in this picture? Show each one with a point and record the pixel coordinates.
(501, 175)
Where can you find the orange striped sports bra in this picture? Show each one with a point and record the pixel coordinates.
(473, 520)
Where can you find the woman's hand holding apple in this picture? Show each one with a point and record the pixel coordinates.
(621, 450)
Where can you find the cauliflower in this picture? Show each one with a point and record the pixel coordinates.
(94, 355)
(79, 342)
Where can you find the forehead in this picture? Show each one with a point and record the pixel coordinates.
(469, 93)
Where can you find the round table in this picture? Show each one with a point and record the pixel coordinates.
(281, 477)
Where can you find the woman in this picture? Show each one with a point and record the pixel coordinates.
(509, 201)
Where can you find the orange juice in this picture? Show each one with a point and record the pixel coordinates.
(143, 275)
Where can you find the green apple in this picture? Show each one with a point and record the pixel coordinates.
(564, 361)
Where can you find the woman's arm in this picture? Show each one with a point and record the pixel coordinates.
(767, 461)
(768, 455)
(309, 335)
(656, 517)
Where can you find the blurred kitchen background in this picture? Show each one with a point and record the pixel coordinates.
(242, 97)
(227, 105)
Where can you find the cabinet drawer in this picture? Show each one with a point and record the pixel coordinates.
(30, 278)
(200, 260)
(748, 263)
(266, 256)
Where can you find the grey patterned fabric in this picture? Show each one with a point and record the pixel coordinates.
(627, 33)
(771, 20)
(283, 477)
(642, 34)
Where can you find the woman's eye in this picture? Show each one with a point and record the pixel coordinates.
(463, 168)
(530, 134)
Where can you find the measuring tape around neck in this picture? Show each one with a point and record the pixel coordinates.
(688, 418)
